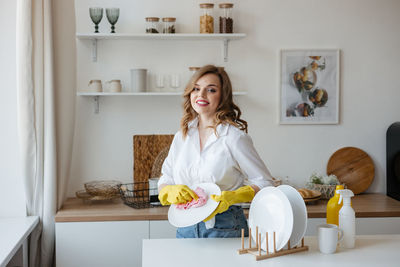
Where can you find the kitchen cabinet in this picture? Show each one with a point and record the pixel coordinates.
(117, 243)
(111, 243)
(161, 229)
(364, 226)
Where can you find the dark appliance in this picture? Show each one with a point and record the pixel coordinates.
(393, 161)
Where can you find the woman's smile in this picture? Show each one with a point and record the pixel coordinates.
(202, 103)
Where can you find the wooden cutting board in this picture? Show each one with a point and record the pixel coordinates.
(353, 167)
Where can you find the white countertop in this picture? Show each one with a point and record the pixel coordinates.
(372, 250)
(13, 232)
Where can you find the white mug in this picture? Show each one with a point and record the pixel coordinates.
(95, 86)
(114, 86)
(328, 237)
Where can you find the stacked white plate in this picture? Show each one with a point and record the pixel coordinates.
(281, 210)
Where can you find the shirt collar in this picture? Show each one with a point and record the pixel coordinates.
(222, 128)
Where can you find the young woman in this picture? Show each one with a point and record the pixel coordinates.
(213, 146)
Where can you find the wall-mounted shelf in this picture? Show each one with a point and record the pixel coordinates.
(224, 37)
(142, 93)
(96, 95)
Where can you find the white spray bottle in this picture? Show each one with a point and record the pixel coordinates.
(347, 218)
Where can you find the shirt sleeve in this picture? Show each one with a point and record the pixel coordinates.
(167, 167)
(250, 163)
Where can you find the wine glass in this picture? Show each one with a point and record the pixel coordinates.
(112, 16)
(96, 14)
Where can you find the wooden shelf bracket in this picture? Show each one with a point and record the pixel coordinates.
(225, 49)
(96, 104)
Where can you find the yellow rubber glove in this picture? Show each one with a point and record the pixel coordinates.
(228, 198)
(176, 194)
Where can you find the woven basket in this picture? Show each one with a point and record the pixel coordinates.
(327, 191)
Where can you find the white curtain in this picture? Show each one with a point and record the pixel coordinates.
(36, 98)
(65, 83)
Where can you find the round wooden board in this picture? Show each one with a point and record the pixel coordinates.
(353, 167)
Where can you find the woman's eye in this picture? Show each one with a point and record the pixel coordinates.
(212, 90)
(196, 89)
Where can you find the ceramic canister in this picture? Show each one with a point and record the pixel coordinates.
(114, 86)
(95, 86)
(138, 80)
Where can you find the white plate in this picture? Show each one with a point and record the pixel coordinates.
(271, 211)
(183, 218)
(299, 214)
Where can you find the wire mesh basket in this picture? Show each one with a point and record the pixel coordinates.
(139, 195)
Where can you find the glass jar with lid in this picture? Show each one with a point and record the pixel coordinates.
(192, 71)
(225, 18)
(152, 24)
(169, 25)
(206, 18)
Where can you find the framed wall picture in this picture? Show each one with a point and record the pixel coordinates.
(309, 86)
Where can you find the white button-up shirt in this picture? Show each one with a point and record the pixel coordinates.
(228, 159)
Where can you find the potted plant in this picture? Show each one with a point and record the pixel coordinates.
(324, 184)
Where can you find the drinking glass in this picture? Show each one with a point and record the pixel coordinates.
(112, 16)
(175, 81)
(96, 14)
(160, 81)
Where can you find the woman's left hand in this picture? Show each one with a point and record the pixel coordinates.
(228, 198)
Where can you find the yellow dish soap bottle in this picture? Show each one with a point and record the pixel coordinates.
(333, 207)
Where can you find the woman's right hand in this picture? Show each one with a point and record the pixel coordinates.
(176, 194)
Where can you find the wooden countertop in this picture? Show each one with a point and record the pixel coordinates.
(75, 210)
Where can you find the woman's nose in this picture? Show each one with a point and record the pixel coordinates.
(202, 92)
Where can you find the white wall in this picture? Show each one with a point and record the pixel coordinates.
(366, 32)
(12, 196)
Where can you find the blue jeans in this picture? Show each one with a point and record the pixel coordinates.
(227, 224)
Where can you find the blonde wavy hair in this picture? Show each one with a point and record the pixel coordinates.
(227, 111)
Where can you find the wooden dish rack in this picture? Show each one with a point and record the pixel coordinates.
(256, 251)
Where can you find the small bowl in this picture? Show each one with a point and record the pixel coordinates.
(82, 194)
(104, 188)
